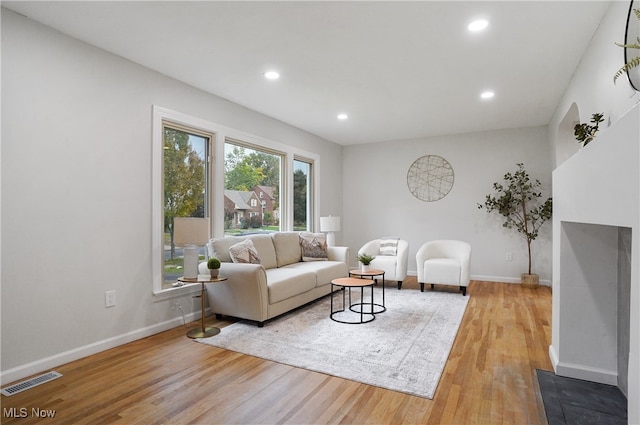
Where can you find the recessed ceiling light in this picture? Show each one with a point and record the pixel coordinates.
(343, 116)
(478, 25)
(271, 75)
(487, 94)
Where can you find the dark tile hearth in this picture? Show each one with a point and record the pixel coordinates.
(575, 402)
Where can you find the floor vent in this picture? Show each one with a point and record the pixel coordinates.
(30, 383)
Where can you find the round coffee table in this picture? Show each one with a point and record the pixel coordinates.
(351, 282)
(372, 273)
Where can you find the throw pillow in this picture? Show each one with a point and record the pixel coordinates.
(389, 246)
(244, 252)
(314, 246)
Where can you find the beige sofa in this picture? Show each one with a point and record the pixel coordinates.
(281, 282)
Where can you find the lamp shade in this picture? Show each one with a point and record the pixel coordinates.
(190, 231)
(330, 224)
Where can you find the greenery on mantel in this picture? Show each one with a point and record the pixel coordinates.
(586, 132)
(517, 200)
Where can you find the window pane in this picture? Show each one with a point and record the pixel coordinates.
(302, 195)
(252, 190)
(185, 190)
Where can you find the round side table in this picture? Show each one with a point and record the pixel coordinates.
(371, 273)
(203, 331)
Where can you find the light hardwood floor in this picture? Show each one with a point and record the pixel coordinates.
(170, 379)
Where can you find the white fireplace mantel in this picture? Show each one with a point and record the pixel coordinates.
(595, 193)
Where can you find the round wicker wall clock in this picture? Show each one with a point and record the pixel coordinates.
(430, 178)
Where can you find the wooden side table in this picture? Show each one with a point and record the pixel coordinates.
(348, 283)
(203, 331)
(372, 273)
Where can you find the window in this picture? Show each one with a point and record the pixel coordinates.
(302, 217)
(186, 188)
(249, 173)
(243, 185)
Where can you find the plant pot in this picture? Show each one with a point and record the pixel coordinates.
(214, 272)
(365, 267)
(530, 280)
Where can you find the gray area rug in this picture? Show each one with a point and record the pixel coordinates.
(404, 349)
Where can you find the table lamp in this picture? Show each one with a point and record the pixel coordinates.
(330, 225)
(190, 233)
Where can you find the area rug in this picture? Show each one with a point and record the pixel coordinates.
(404, 349)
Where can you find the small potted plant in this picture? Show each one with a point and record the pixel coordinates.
(365, 260)
(213, 264)
(586, 132)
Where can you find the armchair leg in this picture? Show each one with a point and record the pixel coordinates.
(433, 286)
(421, 287)
(464, 290)
(399, 285)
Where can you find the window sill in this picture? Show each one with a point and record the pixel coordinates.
(178, 291)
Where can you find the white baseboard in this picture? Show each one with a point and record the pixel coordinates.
(585, 373)
(501, 279)
(38, 366)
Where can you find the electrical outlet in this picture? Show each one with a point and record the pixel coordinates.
(110, 298)
(508, 256)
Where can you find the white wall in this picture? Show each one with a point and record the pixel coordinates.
(76, 193)
(598, 185)
(592, 89)
(379, 203)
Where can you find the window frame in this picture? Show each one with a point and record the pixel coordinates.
(220, 134)
(311, 191)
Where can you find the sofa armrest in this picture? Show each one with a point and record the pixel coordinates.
(244, 294)
(339, 253)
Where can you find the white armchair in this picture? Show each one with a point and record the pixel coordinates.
(444, 262)
(394, 266)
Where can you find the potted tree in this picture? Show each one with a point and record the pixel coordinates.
(518, 201)
(365, 260)
(213, 264)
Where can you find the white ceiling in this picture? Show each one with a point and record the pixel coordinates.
(400, 70)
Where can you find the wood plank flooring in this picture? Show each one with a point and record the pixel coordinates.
(169, 379)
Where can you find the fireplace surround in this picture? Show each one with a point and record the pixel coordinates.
(596, 223)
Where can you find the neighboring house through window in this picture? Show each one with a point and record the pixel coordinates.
(243, 185)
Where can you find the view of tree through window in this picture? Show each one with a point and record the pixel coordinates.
(252, 189)
(185, 189)
(301, 195)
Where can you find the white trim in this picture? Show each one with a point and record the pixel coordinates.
(505, 279)
(56, 360)
(221, 134)
(570, 370)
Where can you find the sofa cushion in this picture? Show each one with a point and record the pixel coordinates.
(314, 246)
(244, 252)
(287, 246)
(442, 270)
(386, 263)
(263, 244)
(325, 271)
(266, 250)
(285, 283)
(219, 247)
